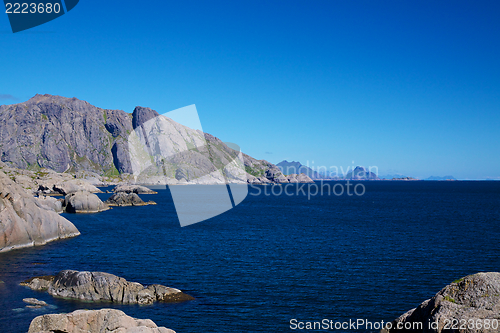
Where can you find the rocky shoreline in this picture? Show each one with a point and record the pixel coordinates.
(25, 221)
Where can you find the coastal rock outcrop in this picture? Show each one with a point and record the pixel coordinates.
(51, 203)
(473, 300)
(94, 321)
(257, 180)
(75, 186)
(24, 221)
(99, 286)
(127, 199)
(300, 178)
(84, 202)
(137, 189)
(49, 182)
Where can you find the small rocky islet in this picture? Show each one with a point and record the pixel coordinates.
(100, 286)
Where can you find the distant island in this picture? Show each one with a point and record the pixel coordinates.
(441, 178)
(359, 172)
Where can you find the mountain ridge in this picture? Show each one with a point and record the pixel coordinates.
(71, 135)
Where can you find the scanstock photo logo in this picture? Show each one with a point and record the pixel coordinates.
(163, 152)
(25, 15)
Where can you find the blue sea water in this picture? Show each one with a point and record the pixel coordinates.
(276, 258)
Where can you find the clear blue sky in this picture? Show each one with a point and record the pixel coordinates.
(409, 86)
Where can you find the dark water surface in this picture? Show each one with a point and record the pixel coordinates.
(275, 258)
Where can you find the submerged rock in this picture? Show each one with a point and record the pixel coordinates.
(99, 286)
(137, 189)
(34, 301)
(127, 199)
(94, 321)
(473, 299)
(84, 202)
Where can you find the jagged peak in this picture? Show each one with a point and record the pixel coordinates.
(142, 114)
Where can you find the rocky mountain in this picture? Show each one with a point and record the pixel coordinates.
(361, 173)
(70, 135)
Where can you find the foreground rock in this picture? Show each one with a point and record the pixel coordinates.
(84, 202)
(473, 300)
(24, 221)
(137, 189)
(94, 321)
(127, 199)
(99, 286)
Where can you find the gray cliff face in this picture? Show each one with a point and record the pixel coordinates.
(94, 321)
(99, 286)
(25, 221)
(70, 135)
(62, 134)
(473, 298)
